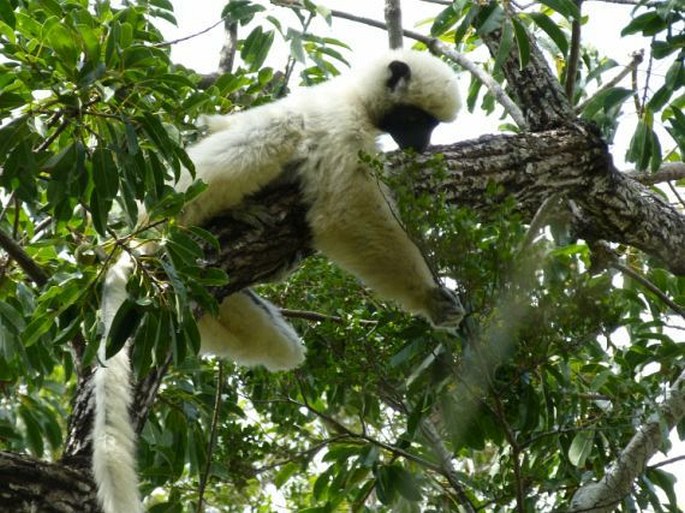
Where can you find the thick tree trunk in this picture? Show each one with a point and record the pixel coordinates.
(28, 485)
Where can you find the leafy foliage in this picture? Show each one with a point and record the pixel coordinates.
(537, 392)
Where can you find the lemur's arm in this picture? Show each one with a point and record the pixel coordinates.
(241, 157)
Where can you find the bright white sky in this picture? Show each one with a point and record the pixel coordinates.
(602, 31)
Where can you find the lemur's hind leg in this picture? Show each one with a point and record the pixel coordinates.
(251, 331)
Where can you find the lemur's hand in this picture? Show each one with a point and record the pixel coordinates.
(445, 309)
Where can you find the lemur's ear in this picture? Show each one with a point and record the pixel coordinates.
(399, 75)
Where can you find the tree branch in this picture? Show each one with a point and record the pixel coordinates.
(393, 19)
(27, 484)
(30, 267)
(445, 457)
(650, 286)
(228, 51)
(534, 87)
(669, 171)
(604, 495)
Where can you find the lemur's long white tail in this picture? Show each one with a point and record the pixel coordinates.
(114, 440)
(248, 329)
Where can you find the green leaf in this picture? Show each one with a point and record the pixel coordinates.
(38, 326)
(285, 473)
(615, 96)
(405, 483)
(465, 25)
(474, 90)
(13, 316)
(662, 49)
(207, 276)
(567, 8)
(522, 43)
(677, 129)
(256, 47)
(666, 482)
(11, 100)
(241, 11)
(63, 41)
(124, 325)
(183, 250)
(444, 21)
(53, 302)
(205, 236)
(34, 434)
(113, 44)
(506, 42)
(655, 153)
(639, 149)
(91, 43)
(385, 485)
(490, 17)
(296, 48)
(606, 101)
(675, 76)
(99, 208)
(649, 23)
(146, 339)
(552, 30)
(105, 173)
(7, 13)
(581, 447)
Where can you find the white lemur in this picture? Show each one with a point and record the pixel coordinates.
(320, 131)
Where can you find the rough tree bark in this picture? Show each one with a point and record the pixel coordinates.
(268, 235)
(603, 496)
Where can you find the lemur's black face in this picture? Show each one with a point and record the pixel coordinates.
(410, 126)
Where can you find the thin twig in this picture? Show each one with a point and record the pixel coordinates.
(204, 476)
(191, 36)
(319, 317)
(47, 142)
(667, 462)
(307, 453)
(669, 171)
(650, 286)
(648, 76)
(341, 428)
(490, 83)
(631, 68)
(675, 192)
(573, 56)
(636, 94)
(28, 264)
(445, 456)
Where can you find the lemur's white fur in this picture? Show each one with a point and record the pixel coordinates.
(114, 440)
(323, 129)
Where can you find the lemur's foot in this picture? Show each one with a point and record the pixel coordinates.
(445, 309)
